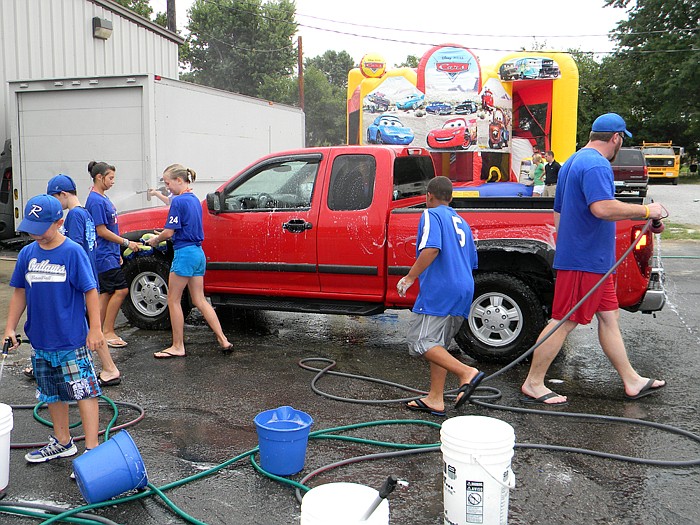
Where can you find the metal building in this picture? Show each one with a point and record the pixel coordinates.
(55, 39)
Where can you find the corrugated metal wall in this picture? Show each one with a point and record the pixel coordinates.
(44, 39)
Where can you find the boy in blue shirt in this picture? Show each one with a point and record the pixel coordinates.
(79, 227)
(54, 282)
(446, 256)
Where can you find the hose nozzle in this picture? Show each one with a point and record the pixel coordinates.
(386, 489)
(657, 226)
(7, 344)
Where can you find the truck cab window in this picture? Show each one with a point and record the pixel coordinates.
(285, 185)
(411, 176)
(352, 182)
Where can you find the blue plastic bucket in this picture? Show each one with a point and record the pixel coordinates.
(110, 469)
(283, 434)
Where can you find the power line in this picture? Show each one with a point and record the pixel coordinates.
(476, 35)
(431, 44)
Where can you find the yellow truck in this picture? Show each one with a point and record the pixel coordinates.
(663, 160)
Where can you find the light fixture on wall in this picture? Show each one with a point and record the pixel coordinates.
(101, 28)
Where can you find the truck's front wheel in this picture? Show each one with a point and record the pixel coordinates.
(146, 306)
(505, 319)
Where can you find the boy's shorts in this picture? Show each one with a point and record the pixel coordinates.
(189, 262)
(570, 288)
(67, 375)
(428, 331)
(112, 280)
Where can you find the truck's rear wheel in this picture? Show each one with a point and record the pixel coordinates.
(146, 306)
(505, 319)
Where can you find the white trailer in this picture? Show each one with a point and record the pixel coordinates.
(141, 124)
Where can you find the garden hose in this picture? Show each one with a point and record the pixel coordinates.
(79, 515)
(495, 394)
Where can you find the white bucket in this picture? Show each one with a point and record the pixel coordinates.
(6, 423)
(476, 453)
(342, 504)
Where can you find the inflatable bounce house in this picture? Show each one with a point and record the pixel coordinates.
(481, 124)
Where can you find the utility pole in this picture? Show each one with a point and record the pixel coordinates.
(300, 67)
(172, 19)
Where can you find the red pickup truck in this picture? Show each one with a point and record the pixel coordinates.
(332, 230)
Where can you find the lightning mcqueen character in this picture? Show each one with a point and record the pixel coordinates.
(455, 133)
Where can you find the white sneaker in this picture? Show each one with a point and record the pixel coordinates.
(52, 450)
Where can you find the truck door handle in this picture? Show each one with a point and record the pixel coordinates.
(297, 225)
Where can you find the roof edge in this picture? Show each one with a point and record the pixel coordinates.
(140, 20)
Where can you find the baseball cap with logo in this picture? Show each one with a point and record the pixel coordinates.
(610, 123)
(40, 213)
(60, 183)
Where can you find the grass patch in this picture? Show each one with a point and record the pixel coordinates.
(687, 177)
(676, 232)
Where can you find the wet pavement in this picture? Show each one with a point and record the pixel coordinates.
(199, 413)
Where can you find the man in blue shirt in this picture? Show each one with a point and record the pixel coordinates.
(585, 211)
(446, 256)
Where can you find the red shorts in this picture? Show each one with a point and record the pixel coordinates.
(572, 285)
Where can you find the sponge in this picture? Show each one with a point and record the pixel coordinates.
(162, 245)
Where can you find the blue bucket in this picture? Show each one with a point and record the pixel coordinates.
(110, 469)
(283, 434)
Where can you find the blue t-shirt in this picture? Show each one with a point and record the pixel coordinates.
(447, 285)
(80, 227)
(584, 242)
(103, 212)
(185, 217)
(54, 283)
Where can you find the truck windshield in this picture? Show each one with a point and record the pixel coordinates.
(658, 151)
(283, 185)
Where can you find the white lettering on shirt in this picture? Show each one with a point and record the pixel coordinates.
(45, 272)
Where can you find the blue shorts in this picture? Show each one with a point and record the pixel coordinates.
(67, 375)
(189, 262)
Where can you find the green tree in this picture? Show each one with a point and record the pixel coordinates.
(595, 94)
(143, 8)
(140, 7)
(655, 70)
(411, 61)
(324, 103)
(324, 107)
(335, 65)
(238, 45)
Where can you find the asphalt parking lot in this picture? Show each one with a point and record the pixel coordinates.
(199, 413)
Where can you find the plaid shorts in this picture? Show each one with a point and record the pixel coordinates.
(65, 375)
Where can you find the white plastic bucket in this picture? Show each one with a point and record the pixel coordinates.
(342, 504)
(476, 453)
(6, 424)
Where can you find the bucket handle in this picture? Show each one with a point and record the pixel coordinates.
(510, 482)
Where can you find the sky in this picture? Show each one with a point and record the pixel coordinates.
(491, 29)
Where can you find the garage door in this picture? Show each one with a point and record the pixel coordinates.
(64, 130)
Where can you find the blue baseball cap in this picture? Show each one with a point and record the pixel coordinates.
(610, 123)
(40, 213)
(60, 183)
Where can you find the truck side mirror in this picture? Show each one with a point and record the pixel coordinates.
(214, 202)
